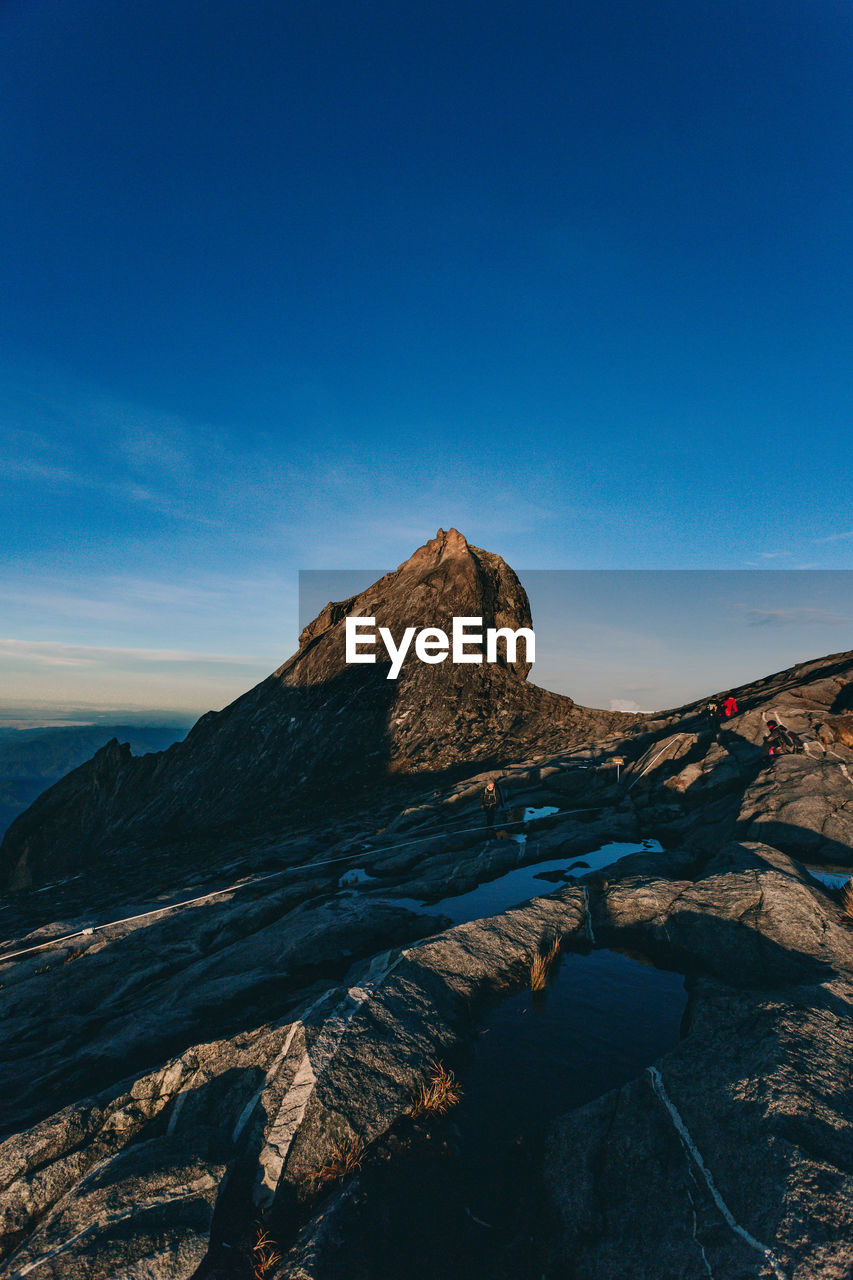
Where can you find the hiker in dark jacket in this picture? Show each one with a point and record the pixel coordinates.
(779, 741)
(490, 801)
(714, 714)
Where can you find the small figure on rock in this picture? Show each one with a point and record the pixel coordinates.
(779, 741)
(714, 715)
(730, 706)
(490, 801)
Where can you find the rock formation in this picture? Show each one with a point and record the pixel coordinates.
(316, 733)
(219, 1069)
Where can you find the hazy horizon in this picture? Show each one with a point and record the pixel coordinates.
(642, 640)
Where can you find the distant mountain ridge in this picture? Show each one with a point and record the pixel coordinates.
(33, 759)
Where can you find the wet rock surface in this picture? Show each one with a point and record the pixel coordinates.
(209, 1037)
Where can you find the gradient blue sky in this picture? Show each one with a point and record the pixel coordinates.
(289, 285)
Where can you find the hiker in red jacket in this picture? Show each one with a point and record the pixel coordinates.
(730, 706)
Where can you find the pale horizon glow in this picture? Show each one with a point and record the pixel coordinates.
(620, 639)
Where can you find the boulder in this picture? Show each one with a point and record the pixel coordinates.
(730, 1157)
(802, 806)
(838, 729)
(752, 917)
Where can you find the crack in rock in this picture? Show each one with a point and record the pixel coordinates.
(694, 1154)
(699, 1243)
(314, 1062)
(205, 1183)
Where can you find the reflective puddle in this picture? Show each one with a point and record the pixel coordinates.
(600, 1022)
(533, 881)
(832, 877)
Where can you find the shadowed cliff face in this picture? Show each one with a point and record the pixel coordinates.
(317, 730)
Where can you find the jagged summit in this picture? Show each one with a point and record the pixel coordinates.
(317, 730)
(446, 577)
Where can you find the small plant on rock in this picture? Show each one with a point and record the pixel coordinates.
(346, 1157)
(265, 1255)
(438, 1094)
(543, 962)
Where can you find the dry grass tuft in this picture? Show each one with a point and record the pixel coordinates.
(265, 1255)
(543, 962)
(346, 1158)
(847, 899)
(438, 1094)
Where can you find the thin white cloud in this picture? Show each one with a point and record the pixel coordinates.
(126, 490)
(834, 537)
(49, 472)
(761, 557)
(82, 438)
(793, 617)
(249, 608)
(162, 444)
(57, 654)
(249, 492)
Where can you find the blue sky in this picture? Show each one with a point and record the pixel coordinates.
(289, 285)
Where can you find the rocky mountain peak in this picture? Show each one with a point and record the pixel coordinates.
(320, 729)
(445, 578)
(420, 566)
(444, 547)
(451, 543)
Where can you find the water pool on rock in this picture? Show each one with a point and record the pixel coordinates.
(537, 879)
(832, 877)
(460, 1197)
(603, 1019)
